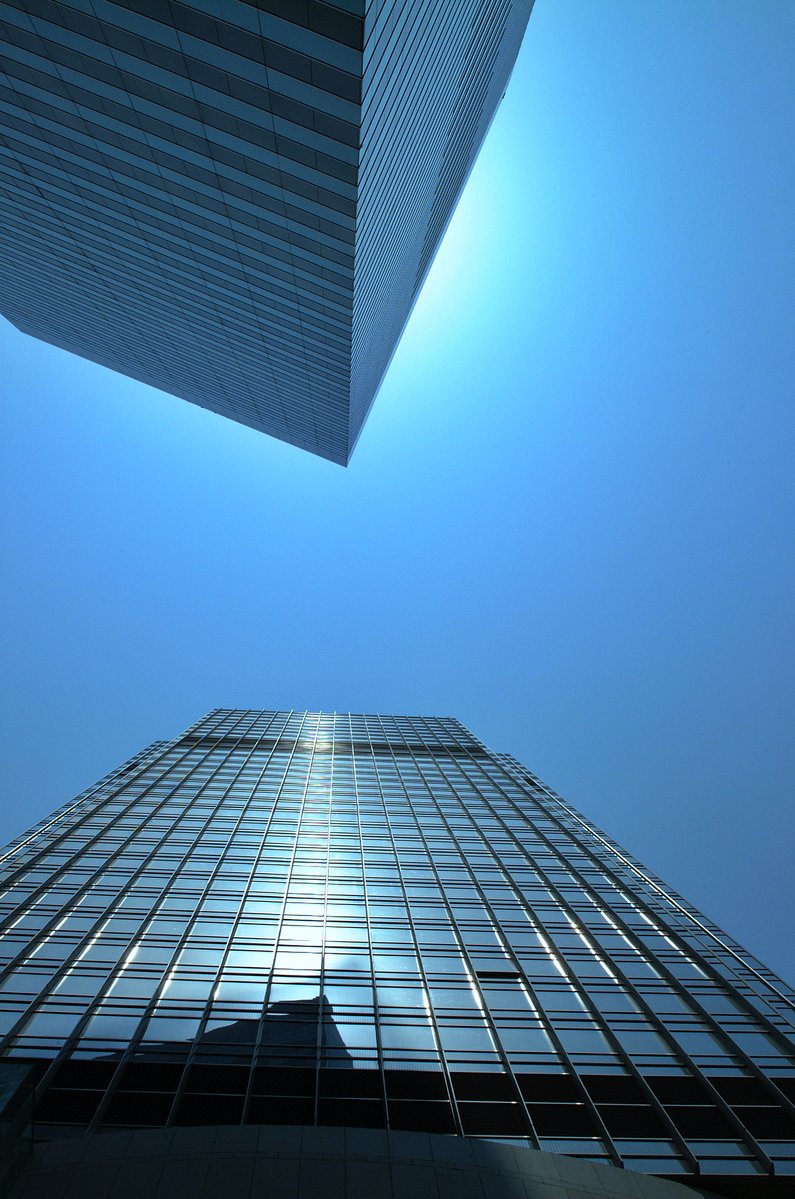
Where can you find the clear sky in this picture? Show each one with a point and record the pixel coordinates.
(569, 519)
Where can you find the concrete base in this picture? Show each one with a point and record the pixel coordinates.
(288, 1162)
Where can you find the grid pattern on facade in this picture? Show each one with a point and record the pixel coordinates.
(180, 191)
(297, 917)
(178, 198)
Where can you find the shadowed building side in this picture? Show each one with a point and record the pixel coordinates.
(219, 199)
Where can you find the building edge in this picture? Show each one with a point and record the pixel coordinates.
(310, 1162)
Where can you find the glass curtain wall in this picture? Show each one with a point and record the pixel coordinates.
(376, 921)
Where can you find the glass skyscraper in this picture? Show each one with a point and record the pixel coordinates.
(237, 201)
(303, 919)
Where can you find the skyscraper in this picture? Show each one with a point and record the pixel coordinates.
(376, 922)
(237, 202)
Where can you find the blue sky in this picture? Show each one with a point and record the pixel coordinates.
(569, 518)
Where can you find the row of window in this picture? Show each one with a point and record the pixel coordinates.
(189, 942)
(669, 1117)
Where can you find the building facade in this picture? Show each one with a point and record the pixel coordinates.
(376, 922)
(237, 202)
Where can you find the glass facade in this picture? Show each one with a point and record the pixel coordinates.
(237, 202)
(284, 917)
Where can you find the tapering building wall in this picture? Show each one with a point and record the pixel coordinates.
(431, 85)
(354, 920)
(237, 202)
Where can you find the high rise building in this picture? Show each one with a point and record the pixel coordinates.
(301, 919)
(237, 201)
